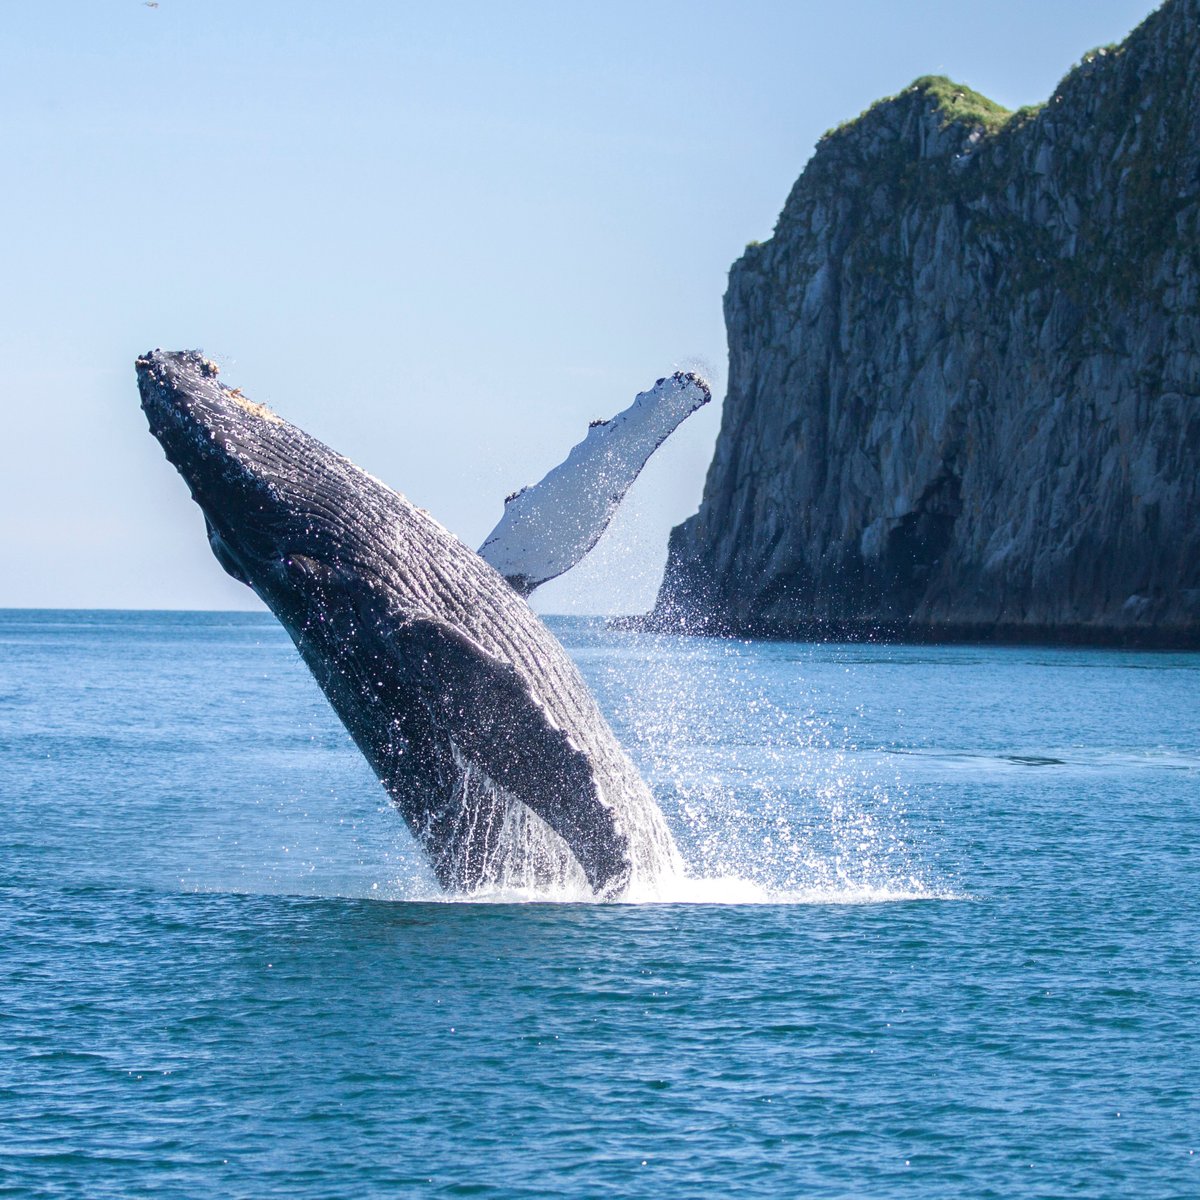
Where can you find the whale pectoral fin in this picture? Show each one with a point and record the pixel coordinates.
(502, 727)
(547, 528)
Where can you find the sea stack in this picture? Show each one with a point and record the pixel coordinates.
(964, 378)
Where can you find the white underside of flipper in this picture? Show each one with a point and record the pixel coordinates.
(548, 527)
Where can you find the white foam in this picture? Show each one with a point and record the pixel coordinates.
(691, 890)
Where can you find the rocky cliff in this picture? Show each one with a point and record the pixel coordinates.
(964, 373)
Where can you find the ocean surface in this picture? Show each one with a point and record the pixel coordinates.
(941, 939)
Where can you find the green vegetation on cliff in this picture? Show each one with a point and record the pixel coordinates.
(957, 102)
(953, 101)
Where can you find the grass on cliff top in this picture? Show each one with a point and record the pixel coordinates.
(955, 101)
(961, 103)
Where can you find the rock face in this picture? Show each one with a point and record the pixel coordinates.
(964, 382)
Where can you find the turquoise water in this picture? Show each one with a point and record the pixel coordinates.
(943, 939)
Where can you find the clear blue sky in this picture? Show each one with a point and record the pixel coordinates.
(441, 237)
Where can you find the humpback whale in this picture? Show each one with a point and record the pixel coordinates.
(469, 711)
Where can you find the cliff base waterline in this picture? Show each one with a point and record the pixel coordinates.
(982, 634)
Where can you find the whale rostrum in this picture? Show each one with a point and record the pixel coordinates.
(467, 708)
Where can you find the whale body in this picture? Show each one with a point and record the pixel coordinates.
(469, 711)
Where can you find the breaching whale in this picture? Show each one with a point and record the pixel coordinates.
(471, 714)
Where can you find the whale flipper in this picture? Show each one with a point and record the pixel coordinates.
(548, 527)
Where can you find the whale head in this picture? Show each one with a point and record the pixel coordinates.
(273, 497)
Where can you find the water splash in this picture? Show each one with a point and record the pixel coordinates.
(767, 795)
(686, 889)
(769, 802)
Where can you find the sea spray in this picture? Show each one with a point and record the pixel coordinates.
(766, 797)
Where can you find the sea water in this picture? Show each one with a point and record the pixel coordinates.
(940, 935)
